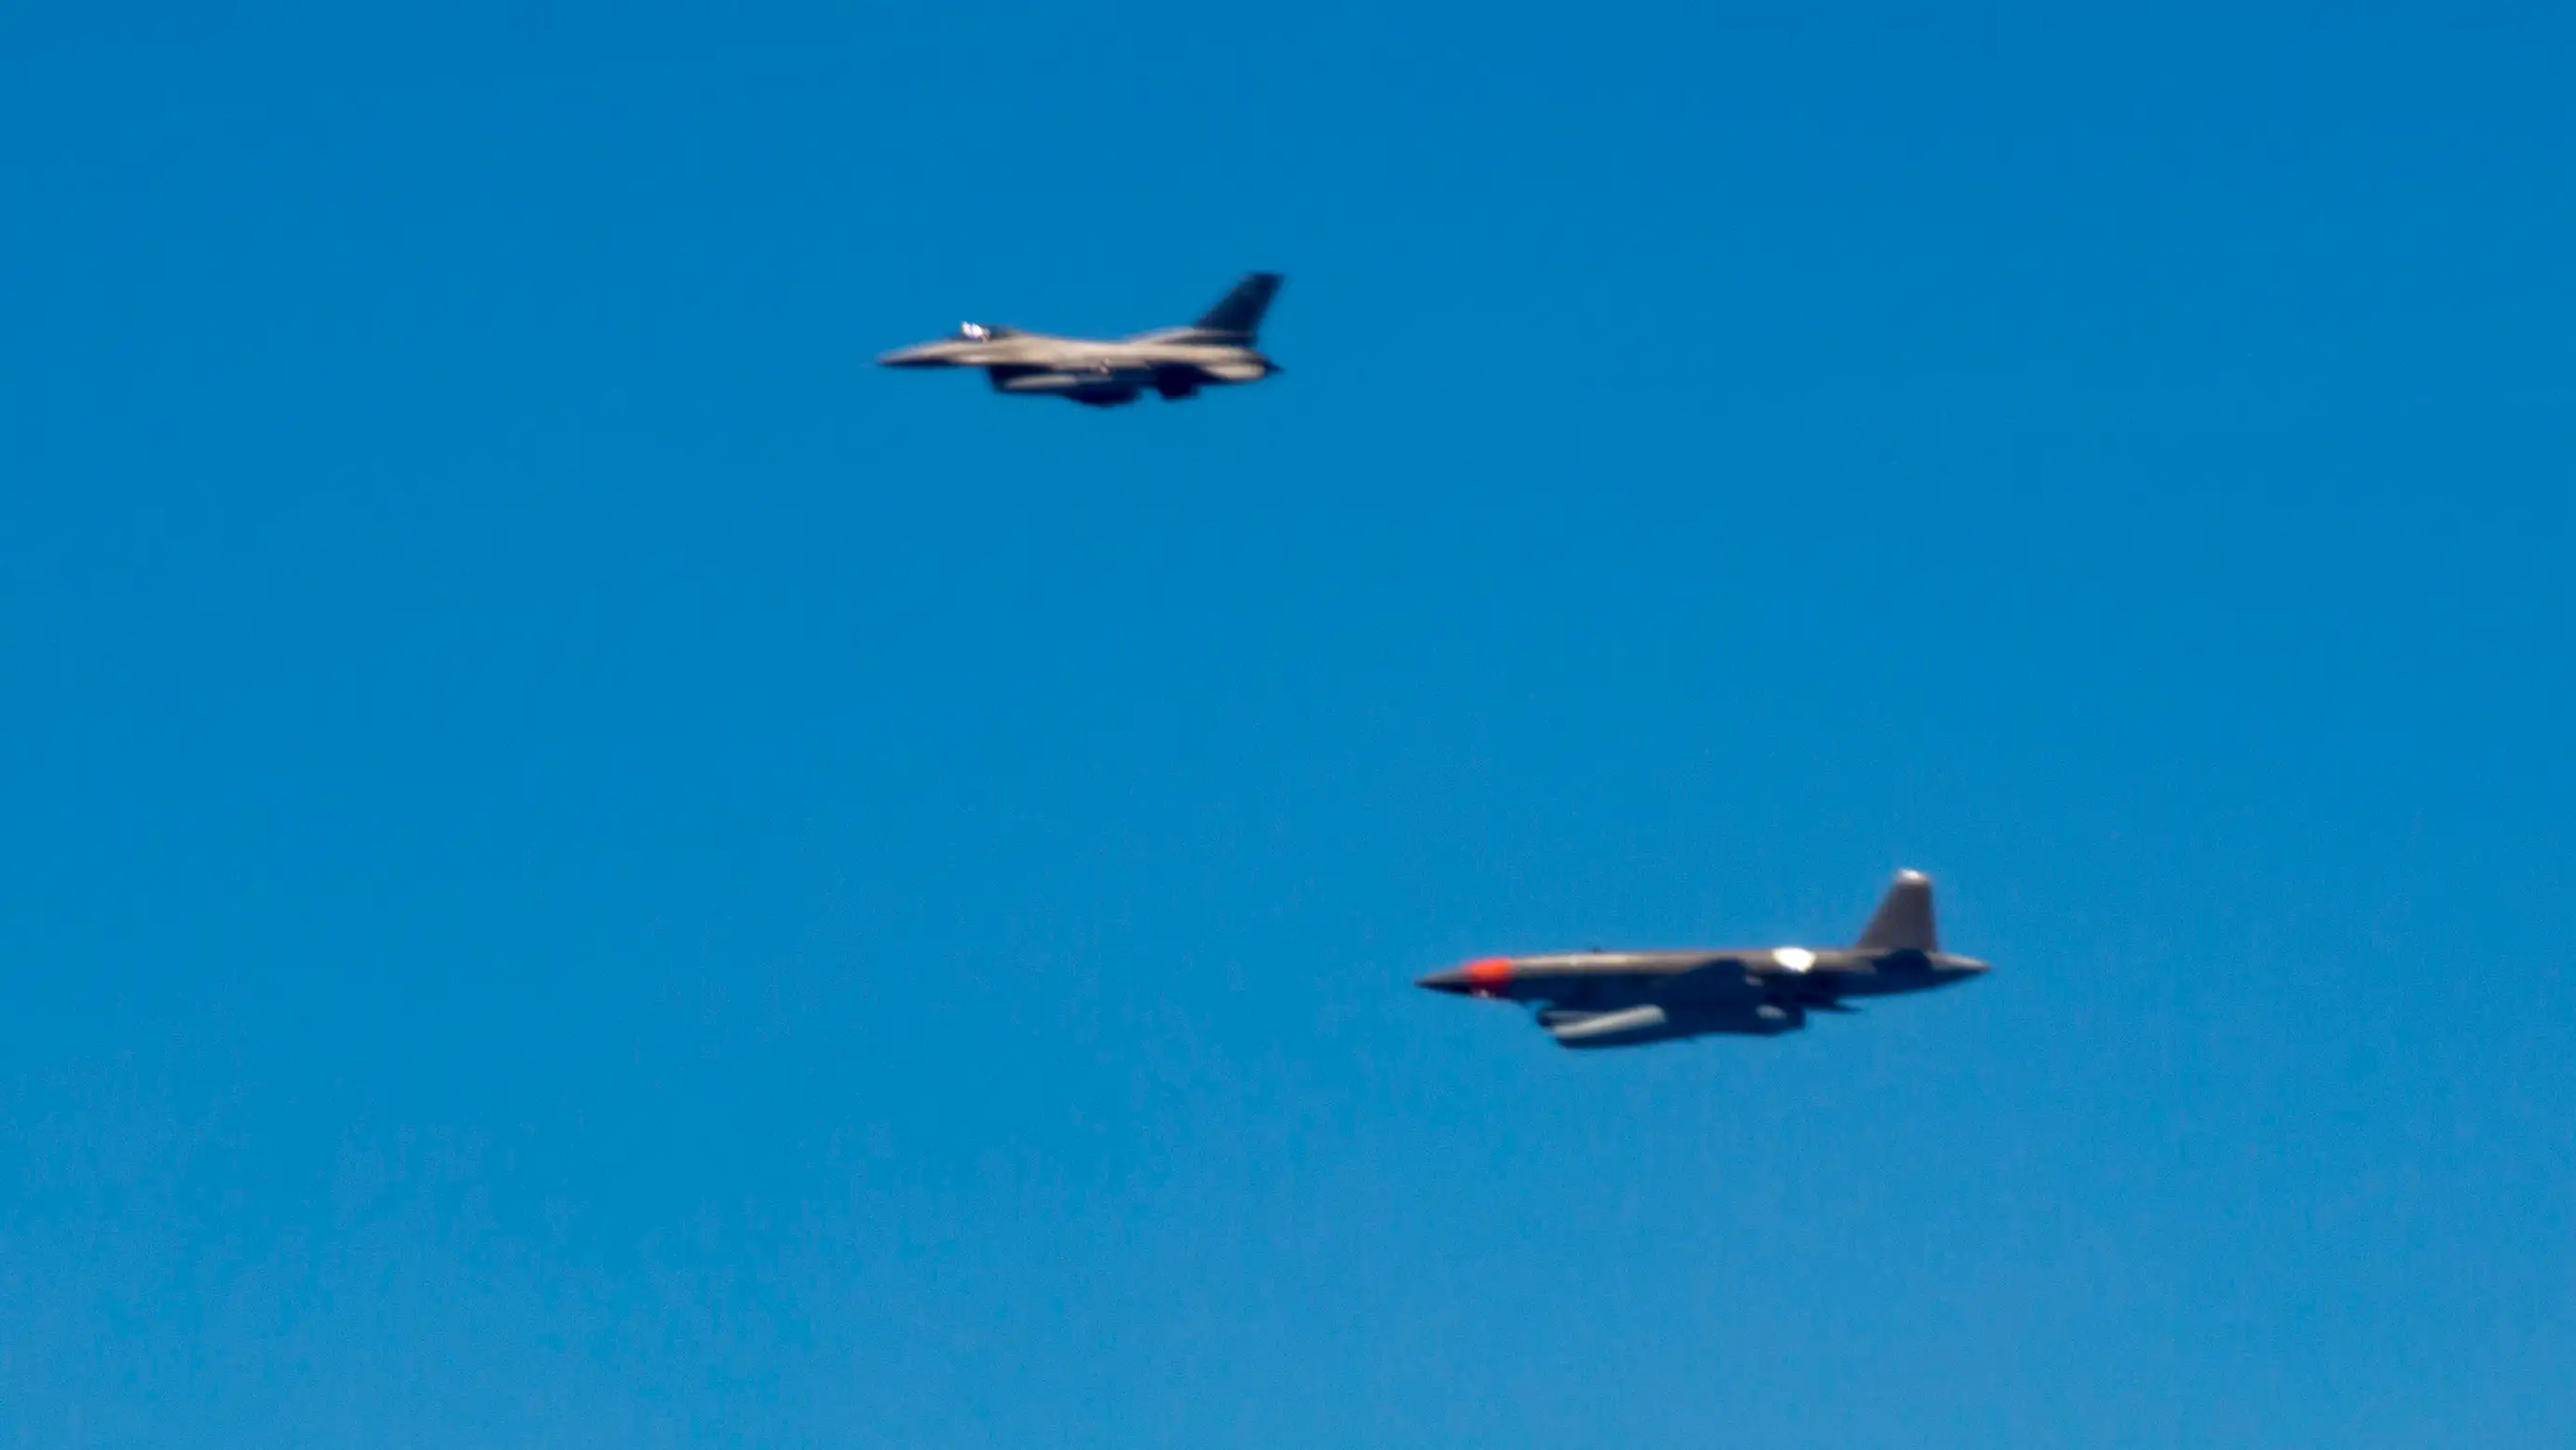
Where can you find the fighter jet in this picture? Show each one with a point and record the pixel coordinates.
(1103, 373)
(1627, 999)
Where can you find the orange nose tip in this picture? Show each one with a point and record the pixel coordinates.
(1488, 974)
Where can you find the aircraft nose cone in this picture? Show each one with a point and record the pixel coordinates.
(1484, 977)
(925, 355)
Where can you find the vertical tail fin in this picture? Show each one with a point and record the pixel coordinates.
(1239, 311)
(1903, 921)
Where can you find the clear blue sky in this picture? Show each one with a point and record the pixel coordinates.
(581, 867)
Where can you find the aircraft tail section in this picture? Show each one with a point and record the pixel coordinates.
(1239, 312)
(1903, 921)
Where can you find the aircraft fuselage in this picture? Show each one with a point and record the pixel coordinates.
(1175, 362)
(1621, 999)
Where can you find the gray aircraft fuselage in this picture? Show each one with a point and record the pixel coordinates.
(1104, 372)
(1625, 999)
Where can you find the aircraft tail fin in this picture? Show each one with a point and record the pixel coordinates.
(1239, 311)
(1903, 921)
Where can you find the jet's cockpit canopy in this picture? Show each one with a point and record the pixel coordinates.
(980, 332)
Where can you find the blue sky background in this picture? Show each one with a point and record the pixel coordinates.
(580, 867)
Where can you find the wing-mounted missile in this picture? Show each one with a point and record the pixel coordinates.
(1608, 1029)
(1631, 1026)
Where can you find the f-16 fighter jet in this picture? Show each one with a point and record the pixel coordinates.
(1626, 999)
(1173, 361)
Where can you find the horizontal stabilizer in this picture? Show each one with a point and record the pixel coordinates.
(1903, 921)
